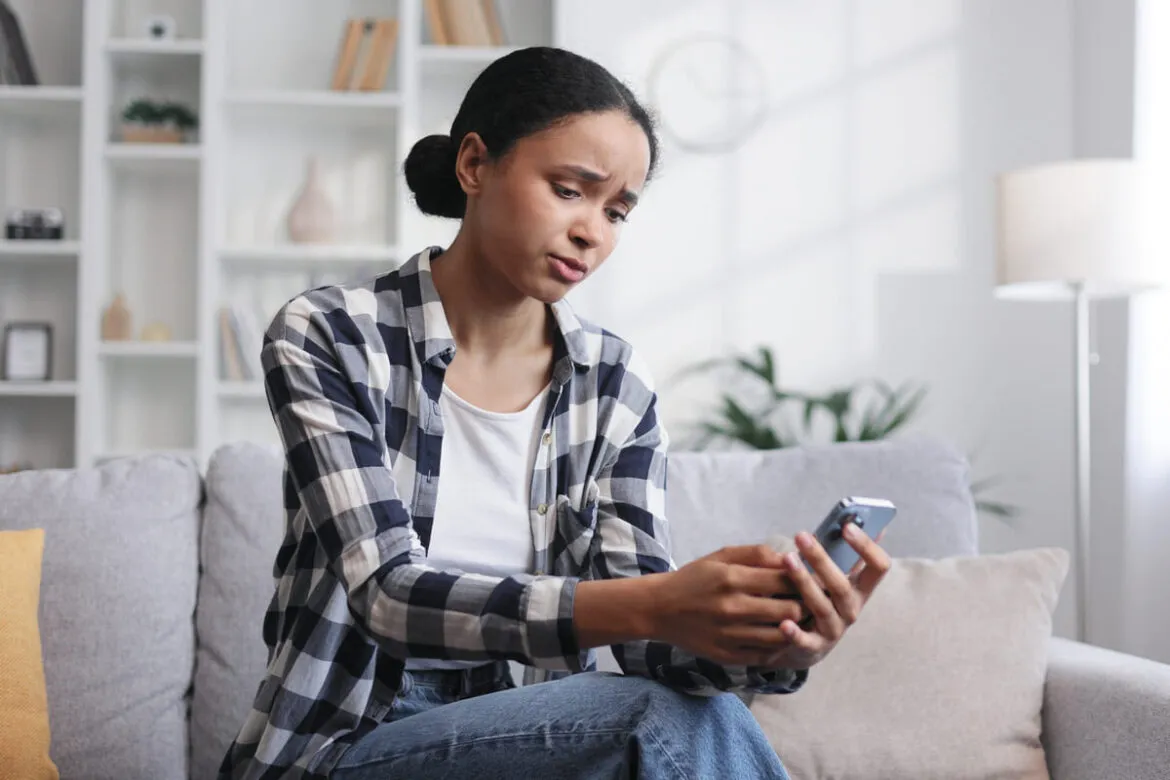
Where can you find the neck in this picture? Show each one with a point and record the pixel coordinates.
(488, 317)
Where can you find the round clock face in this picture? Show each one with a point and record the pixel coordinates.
(710, 93)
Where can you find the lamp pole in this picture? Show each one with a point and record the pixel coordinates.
(1083, 458)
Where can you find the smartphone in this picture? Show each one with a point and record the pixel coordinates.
(871, 515)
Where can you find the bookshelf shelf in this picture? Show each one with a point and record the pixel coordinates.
(148, 349)
(40, 102)
(138, 47)
(38, 251)
(38, 389)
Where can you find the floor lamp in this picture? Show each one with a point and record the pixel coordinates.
(1075, 231)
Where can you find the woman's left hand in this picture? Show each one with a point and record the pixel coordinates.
(833, 599)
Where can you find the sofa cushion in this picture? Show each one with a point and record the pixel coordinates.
(942, 676)
(242, 528)
(117, 596)
(24, 706)
(717, 499)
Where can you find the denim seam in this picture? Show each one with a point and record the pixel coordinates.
(485, 740)
(662, 746)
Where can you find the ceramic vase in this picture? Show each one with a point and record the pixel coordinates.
(312, 218)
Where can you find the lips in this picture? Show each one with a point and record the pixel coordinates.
(569, 270)
(573, 263)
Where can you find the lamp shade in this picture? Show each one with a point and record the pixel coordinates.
(1089, 222)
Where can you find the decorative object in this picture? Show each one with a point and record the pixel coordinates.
(159, 27)
(24, 699)
(367, 49)
(463, 23)
(117, 320)
(16, 65)
(1074, 231)
(28, 352)
(145, 121)
(38, 224)
(868, 410)
(15, 468)
(312, 218)
(710, 92)
(952, 651)
(156, 331)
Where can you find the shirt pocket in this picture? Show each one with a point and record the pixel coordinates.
(576, 532)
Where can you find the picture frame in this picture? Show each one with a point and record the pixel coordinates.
(27, 352)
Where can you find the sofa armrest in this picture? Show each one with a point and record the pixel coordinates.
(1106, 714)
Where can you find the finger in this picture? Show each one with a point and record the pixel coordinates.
(809, 641)
(762, 610)
(875, 561)
(759, 581)
(857, 567)
(818, 601)
(766, 638)
(834, 580)
(759, 555)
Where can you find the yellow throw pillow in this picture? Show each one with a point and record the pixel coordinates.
(24, 704)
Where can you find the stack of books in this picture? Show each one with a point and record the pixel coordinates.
(464, 23)
(367, 49)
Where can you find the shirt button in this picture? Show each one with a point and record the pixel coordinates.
(546, 438)
(542, 509)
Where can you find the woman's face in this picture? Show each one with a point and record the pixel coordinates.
(550, 212)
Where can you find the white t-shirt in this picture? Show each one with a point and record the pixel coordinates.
(482, 522)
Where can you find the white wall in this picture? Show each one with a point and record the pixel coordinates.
(855, 231)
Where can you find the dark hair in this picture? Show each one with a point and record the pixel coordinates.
(521, 93)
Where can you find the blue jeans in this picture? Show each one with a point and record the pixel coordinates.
(591, 725)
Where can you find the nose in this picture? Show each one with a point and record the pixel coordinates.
(587, 230)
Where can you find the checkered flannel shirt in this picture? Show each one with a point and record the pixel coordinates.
(353, 376)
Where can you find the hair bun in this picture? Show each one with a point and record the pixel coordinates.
(430, 174)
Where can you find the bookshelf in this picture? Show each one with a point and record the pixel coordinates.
(194, 233)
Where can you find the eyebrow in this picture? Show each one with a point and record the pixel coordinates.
(629, 197)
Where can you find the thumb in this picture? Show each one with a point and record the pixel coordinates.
(760, 555)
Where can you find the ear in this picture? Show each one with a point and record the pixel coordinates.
(471, 163)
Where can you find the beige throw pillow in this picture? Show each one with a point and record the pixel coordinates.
(941, 677)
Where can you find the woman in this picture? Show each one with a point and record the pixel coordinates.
(406, 581)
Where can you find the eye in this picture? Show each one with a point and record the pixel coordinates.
(616, 216)
(565, 192)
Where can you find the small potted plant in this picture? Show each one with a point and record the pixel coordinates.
(181, 118)
(146, 121)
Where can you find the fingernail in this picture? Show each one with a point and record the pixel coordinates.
(804, 539)
(852, 531)
(792, 560)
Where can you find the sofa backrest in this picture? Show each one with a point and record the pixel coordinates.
(726, 498)
(713, 499)
(118, 588)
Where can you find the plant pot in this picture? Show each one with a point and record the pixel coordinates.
(134, 133)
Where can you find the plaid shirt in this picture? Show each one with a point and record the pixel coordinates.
(353, 376)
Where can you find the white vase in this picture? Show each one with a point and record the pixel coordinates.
(312, 218)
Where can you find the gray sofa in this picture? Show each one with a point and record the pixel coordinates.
(156, 579)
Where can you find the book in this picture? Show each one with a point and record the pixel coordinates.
(347, 56)
(364, 47)
(491, 14)
(381, 53)
(466, 23)
(436, 23)
(18, 65)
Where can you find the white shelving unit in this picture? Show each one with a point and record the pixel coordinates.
(182, 231)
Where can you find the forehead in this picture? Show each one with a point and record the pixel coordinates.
(609, 142)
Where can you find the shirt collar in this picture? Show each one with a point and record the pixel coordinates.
(431, 333)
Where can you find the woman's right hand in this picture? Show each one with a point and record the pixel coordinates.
(721, 606)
